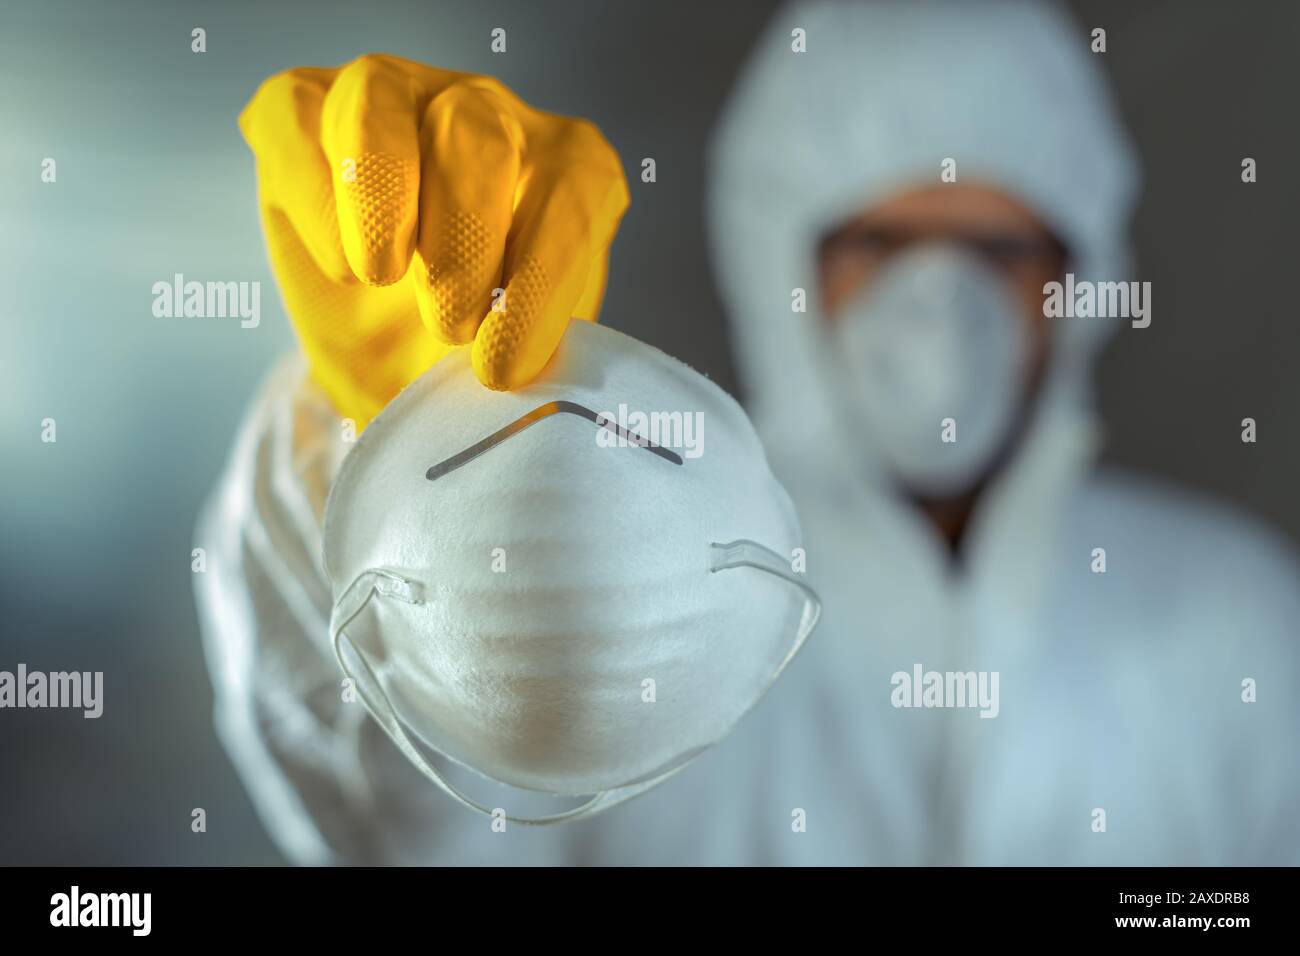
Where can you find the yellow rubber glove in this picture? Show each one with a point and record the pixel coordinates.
(397, 197)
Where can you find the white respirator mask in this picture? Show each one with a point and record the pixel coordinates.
(565, 588)
(936, 335)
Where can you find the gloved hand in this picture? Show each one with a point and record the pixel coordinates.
(397, 197)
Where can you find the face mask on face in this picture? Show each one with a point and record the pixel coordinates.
(536, 588)
(936, 336)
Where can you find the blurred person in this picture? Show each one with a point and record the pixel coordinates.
(1123, 619)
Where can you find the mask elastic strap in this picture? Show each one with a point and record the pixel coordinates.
(393, 585)
(743, 553)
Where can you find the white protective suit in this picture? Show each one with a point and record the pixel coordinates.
(1120, 691)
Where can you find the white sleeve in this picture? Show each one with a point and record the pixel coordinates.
(264, 606)
(326, 781)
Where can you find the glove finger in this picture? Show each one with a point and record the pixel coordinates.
(281, 124)
(563, 228)
(370, 135)
(471, 152)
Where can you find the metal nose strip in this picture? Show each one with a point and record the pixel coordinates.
(536, 415)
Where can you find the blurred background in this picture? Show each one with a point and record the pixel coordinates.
(154, 179)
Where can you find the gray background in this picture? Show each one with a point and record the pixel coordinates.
(153, 179)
